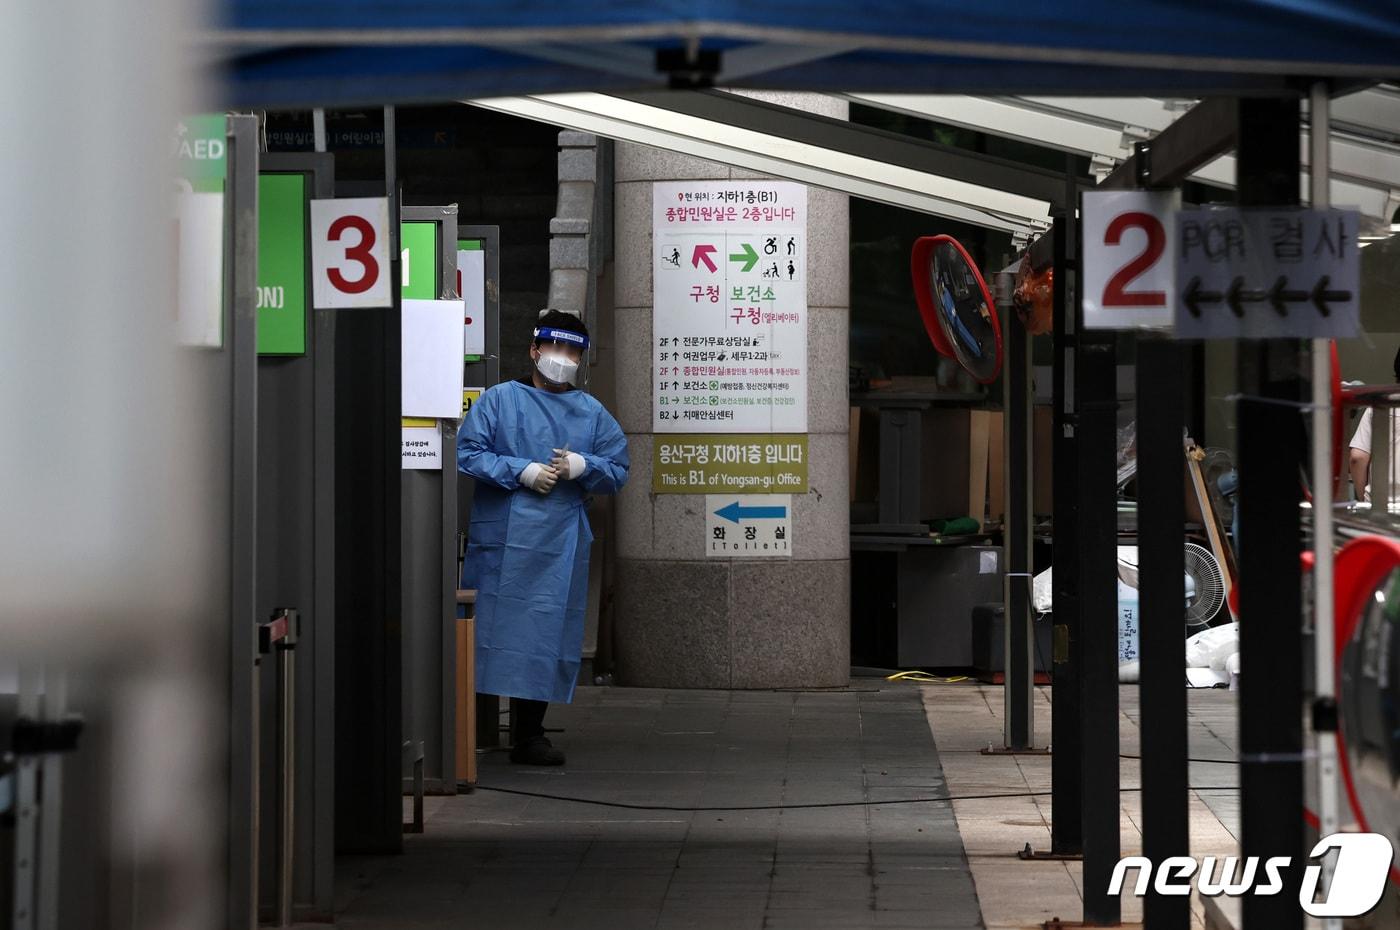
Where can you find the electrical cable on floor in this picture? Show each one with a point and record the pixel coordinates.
(1203, 761)
(925, 678)
(790, 807)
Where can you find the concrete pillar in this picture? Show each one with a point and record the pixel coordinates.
(691, 621)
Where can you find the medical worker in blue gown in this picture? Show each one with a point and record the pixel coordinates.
(538, 449)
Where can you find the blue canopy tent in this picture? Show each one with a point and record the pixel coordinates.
(314, 52)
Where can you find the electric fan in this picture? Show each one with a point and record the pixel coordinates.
(1209, 596)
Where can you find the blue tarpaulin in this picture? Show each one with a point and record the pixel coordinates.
(301, 52)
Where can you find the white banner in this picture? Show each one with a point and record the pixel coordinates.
(729, 289)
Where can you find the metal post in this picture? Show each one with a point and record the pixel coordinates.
(1382, 461)
(26, 812)
(1066, 788)
(318, 129)
(51, 805)
(1161, 521)
(286, 827)
(1097, 392)
(282, 632)
(1325, 689)
(1018, 689)
(1270, 458)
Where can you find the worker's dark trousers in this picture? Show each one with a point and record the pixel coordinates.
(528, 721)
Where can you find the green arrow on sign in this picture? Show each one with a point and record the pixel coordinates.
(749, 257)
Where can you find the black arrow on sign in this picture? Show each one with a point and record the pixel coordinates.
(1238, 296)
(1280, 296)
(1194, 297)
(1321, 296)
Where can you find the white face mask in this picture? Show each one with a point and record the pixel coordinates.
(557, 369)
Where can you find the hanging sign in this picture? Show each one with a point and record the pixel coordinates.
(350, 253)
(471, 284)
(740, 462)
(729, 316)
(748, 525)
(200, 151)
(419, 260)
(281, 299)
(1267, 273)
(1129, 259)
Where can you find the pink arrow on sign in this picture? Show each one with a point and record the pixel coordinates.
(702, 254)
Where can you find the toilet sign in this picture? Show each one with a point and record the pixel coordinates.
(739, 526)
(1129, 259)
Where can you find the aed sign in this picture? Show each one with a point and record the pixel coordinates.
(748, 525)
(350, 253)
(1129, 259)
(1268, 273)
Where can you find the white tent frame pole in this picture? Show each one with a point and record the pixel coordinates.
(1323, 494)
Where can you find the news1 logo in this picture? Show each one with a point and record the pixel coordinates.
(1358, 881)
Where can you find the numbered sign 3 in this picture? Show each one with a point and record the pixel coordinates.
(350, 252)
(1129, 259)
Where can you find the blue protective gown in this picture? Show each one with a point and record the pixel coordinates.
(527, 553)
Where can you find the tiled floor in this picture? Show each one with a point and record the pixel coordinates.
(1017, 894)
(843, 854)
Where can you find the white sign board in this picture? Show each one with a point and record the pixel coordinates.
(729, 324)
(422, 447)
(739, 526)
(350, 253)
(1129, 259)
(1267, 273)
(471, 284)
(432, 359)
(199, 237)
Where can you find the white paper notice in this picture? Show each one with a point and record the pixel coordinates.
(199, 221)
(422, 447)
(471, 284)
(730, 307)
(432, 358)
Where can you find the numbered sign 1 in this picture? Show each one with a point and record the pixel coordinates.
(1129, 259)
(350, 252)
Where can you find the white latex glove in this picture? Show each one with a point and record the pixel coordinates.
(569, 465)
(539, 477)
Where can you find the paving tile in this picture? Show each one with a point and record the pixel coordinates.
(521, 863)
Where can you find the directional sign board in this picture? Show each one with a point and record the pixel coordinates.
(741, 526)
(729, 324)
(350, 252)
(1129, 259)
(1267, 273)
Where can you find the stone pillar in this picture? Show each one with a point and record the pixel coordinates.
(685, 620)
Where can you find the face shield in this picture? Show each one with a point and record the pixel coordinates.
(560, 354)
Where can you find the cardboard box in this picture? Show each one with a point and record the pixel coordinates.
(1042, 468)
(865, 454)
(956, 448)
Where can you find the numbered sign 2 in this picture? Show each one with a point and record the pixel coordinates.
(350, 252)
(1129, 259)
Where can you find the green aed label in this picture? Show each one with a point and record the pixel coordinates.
(742, 463)
(199, 146)
(420, 260)
(282, 264)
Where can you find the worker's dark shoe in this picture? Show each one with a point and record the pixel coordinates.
(536, 751)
